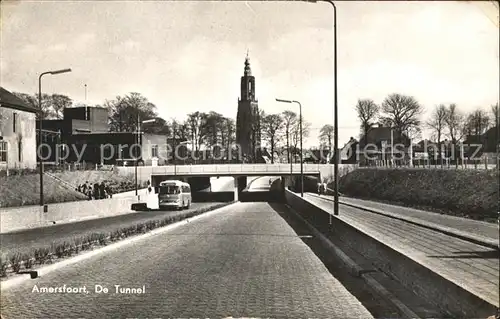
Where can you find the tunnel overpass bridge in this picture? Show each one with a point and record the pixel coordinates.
(234, 170)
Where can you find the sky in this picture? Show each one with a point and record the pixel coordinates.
(189, 56)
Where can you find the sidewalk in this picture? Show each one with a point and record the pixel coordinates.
(473, 267)
(469, 229)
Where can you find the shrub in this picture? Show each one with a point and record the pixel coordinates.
(27, 261)
(15, 262)
(3, 268)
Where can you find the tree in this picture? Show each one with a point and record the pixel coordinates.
(306, 129)
(477, 122)
(326, 135)
(272, 126)
(124, 112)
(402, 113)
(32, 100)
(196, 123)
(367, 113)
(496, 114)
(228, 132)
(290, 119)
(454, 122)
(58, 103)
(437, 122)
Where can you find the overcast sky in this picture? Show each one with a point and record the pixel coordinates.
(188, 56)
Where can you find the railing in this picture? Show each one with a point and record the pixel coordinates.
(232, 169)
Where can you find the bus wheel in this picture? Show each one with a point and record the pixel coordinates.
(189, 203)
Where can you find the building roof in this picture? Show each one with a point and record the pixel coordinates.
(7, 99)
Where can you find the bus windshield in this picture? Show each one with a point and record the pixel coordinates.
(169, 189)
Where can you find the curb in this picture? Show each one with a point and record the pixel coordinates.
(356, 270)
(6, 284)
(442, 229)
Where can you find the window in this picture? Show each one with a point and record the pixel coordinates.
(14, 122)
(3, 151)
(154, 151)
(20, 151)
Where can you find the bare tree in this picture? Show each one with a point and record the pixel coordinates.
(196, 123)
(228, 133)
(402, 113)
(496, 114)
(437, 122)
(368, 112)
(326, 135)
(306, 129)
(272, 131)
(454, 122)
(290, 119)
(477, 122)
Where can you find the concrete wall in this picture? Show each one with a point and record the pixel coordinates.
(417, 278)
(27, 217)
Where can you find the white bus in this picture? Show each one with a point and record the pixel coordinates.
(174, 194)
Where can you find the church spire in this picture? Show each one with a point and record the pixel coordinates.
(248, 71)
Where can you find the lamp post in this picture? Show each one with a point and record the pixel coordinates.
(40, 137)
(301, 151)
(139, 143)
(335, 108)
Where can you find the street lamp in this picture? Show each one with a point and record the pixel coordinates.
(301, 161)
(335, 108)
(40, 138)
(138, 142)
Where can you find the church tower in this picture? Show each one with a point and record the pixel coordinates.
(248, 118)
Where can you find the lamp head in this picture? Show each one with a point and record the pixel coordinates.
(60, 71)
(284, 101)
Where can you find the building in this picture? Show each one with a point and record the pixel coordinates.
(377, 144)
(248, 135)
(17, 132)
(83, 136)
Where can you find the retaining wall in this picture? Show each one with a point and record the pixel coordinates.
(453, 299)
(27, 217)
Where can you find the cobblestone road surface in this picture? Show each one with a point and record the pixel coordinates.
(26, 240)
(474, 267)
(244, 261)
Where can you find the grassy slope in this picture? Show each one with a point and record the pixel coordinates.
(20, 190)
(466, 193)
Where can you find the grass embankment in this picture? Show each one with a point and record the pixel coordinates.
(465, 193)
(15, 262)
(22, 187)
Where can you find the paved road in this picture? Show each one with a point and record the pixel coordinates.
(25, 241)
(244, 261)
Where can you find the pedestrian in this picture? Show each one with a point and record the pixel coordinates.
(84, 188)
(96, 190)
(89, 192)
(102, 190)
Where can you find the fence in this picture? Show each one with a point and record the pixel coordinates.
(483, 163)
